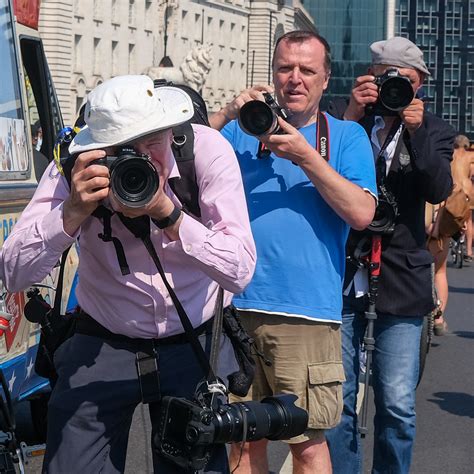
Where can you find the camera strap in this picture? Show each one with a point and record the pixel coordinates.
(380, 161)
(56, 309)
(322, 139)
(140, 228)
(322, 136)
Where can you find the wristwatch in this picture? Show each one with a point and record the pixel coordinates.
(168, 221)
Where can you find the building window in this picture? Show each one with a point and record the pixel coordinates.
(77, 53)
(115, 58)
(131, 58)
(131, 12)
(97, 10)
(148, 15)
(97, 56)
(115, 12)
(79, 9)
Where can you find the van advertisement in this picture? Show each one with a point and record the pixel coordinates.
(13, 151)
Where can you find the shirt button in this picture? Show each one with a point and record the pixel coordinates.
(189, 247)
(156, 232)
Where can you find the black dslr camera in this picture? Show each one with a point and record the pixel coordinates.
(386, 213)
(395, 93)
(133, 177)
(188, 430)
(261, 118)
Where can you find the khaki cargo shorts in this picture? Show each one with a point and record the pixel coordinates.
(306, 360)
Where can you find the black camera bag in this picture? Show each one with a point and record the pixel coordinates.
(55, 327)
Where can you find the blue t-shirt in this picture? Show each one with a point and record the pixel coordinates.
(300, 240)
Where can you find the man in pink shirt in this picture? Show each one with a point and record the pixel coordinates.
(97, 390)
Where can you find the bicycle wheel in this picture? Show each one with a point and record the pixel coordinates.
(425, 344)
(459, 254)
(452, 251)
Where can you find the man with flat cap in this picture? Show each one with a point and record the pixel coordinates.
(412, 151)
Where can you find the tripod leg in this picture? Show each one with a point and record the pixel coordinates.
(369, 345)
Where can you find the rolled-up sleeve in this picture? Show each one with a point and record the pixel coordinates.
(221, 245)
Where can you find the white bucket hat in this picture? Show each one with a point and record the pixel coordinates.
(128, 107)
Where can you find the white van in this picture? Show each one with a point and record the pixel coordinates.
(30, 120)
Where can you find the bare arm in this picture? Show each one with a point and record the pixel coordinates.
(352, 203)
(230, 112)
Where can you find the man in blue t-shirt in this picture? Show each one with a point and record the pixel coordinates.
(301, 207)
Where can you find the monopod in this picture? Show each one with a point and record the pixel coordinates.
(371, 316)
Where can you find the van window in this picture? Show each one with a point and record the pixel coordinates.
(10, 104)
(13, 145)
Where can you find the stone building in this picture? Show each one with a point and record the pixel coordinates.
(218, 46)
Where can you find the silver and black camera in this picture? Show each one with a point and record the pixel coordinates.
(395, 93)
(133, 177)
(261, 118)
(386, 213)
(188, 430)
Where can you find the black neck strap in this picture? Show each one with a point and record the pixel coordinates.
(59, 287)
(140, 228)
(391, 134)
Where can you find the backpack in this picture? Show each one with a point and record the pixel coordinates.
(454, 213)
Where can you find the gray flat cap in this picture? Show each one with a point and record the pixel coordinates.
(398, 51)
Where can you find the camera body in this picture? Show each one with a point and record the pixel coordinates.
(258, 118)
(386, 213)
(133, 177)
(188, 430)
(395, 93)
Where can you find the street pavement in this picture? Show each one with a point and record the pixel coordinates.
(445, 401)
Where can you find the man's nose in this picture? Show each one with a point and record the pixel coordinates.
(295, 75)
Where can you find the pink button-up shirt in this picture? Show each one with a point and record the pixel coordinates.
(219, 250)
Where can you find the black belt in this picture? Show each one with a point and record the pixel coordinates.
(87, 325)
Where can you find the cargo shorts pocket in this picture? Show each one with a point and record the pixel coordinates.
(325, 399)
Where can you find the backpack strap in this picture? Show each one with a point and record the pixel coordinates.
(185, 187)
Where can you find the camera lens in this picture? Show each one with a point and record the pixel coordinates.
(257, 118)
(396, 93)
(133, 180)
(384, 217)
(274, 418)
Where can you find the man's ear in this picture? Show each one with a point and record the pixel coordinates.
(326, 83)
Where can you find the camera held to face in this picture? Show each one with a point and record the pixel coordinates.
(133, 177)
(395, 93)
(386, 213)
(188, 430)
(261, 118)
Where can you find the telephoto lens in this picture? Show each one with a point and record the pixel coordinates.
(273, 418)
(188, 431)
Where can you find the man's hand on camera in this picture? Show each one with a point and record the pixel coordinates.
(290, 145)
(412, 116)
(89, 186)
(364, 92)
(231, 111)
